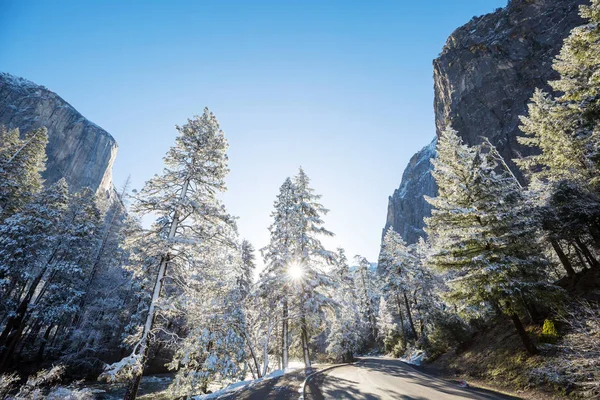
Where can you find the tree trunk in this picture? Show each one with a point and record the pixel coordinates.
(40, 355)
(284, 336)
(402, 333)
(144, 341)
(251, 348)
(305, 349)
(266, 348)
(595, 232)
(529, 346)
(580, 257)
(410, 320)
(563, 258)
(588, 255)
(134, 384)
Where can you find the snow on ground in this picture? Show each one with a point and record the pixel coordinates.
(234, 387)
(414, 357)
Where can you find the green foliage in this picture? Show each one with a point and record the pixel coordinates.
(448, 331)
(399, 348)
(480, 230)
(549, 332)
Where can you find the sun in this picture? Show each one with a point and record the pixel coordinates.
(295, 271)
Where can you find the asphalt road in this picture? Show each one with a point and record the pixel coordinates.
(377, 378)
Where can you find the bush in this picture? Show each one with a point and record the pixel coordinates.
(393, 344)
(549, 332)
(399, 349)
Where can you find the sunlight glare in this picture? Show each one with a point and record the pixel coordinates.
(295, 271)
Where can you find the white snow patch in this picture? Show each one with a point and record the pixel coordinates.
(234, 387)
(415, 357)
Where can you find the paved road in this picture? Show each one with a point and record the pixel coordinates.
(376, 378)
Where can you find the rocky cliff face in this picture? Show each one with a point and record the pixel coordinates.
(78, 150)
(483, 79)
(407, 207)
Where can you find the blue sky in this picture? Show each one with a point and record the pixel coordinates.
(343, 88)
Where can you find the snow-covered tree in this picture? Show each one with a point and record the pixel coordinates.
(29, 245)
(311, 257)
(480, 231)
(214, 349)
(293, 278)
(564, 127)
(274, 281)
(51, 278)
(387, 326)
(346, 326)
(190, 219)
(246, 279)
(21, 163)
(367, 291)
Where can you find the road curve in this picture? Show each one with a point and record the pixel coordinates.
(378, 378)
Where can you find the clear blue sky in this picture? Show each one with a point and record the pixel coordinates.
(343, 88)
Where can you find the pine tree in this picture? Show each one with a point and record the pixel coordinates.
(190, 220)
(215, 347)
(246, 279)
(564, 129)
(30, 243)
(311, 256)
(278, 255)
(21, 163)
(399, 266)
(294, 260)
(367, 291)
(344, 338)
(480, 231)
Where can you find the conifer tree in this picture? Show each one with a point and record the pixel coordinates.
(30, 243)
(215, 347)
(278, 255)
(190, 220)
(344, 338)
(564, 127)
(367, 292)
(246, 279)
(311, 256)
(21, 163)
(480, 231)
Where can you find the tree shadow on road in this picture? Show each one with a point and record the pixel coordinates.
(397, 368)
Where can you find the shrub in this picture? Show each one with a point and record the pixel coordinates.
(549, 332)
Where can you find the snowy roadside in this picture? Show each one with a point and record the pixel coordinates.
(414, 357)
(243, 385)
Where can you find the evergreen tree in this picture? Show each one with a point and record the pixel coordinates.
(564, 128)
(214, 348)
(480, 231)
(344, 338)
(21, 163)
(311, 256)
(190, 220)
(246, 279)
(367, 291)
(278, 255)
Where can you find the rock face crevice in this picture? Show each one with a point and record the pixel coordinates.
(483, 80)
(78, 150)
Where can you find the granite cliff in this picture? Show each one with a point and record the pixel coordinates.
(483, 79)
(78, 149)
(407, 206)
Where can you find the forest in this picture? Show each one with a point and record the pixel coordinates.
(160, 280)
